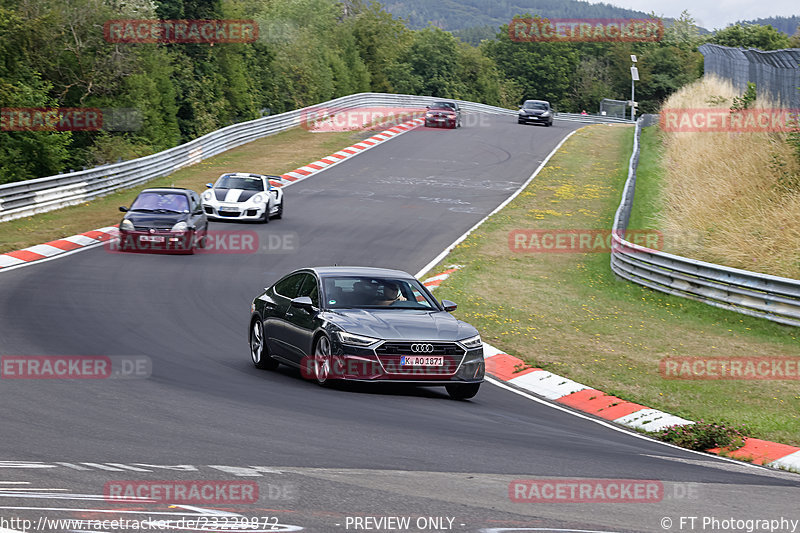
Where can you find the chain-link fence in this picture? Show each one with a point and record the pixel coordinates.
(776, 73)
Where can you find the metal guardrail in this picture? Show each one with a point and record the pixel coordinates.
(592, 119)
(25, 198)
(749, 293)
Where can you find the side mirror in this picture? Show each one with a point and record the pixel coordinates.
(449, 306)
(209, 185)
(303, 302)
(123, 209)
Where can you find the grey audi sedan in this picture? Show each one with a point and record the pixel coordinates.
(364, 324)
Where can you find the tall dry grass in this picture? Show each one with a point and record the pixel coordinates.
(735, 191)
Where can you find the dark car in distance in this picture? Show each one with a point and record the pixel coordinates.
(364, 324)
(446, 114)
(536, 112)
(167, 219)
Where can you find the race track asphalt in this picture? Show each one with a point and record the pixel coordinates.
(357, 450)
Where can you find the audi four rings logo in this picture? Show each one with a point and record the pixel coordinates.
(422, 348)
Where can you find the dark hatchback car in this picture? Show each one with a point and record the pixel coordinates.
(364, 324)
(446, 114)
(164, 220)
(537, 112)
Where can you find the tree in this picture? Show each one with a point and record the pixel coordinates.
(751, 36)
(794, 40)
(543, 70)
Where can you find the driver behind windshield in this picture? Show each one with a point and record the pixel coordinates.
(391, 294)
(155, 202)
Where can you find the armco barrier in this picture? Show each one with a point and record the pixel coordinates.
(25, 198)
(749, 293)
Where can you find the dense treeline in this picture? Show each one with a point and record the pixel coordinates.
(576, 76)
(787, 25)
(753, 36)
(463, 14)
(53, 53)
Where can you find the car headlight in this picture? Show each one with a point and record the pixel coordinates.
(472, 342)
(180, 227)
(546, 114)
(355, 340)
(258, 198)
(207, 196)
(126, 225)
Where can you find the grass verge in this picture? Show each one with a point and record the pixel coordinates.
(567, 312)
(275, 154)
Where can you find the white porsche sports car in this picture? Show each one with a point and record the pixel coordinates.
(243, 196)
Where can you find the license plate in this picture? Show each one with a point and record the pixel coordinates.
(229, 209)
(151, 238)
(421, 360)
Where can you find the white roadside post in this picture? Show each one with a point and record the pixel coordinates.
(634, 79)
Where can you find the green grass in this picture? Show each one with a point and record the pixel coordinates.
(567, 312)
(647, 202)
(275, 154)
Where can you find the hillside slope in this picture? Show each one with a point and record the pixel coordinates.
(459, 14)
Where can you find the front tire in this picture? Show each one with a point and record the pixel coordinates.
(323, 362)
(259, 353)
(462, 391)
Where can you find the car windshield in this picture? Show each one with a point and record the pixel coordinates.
(161, 201)
(246, 183)
(375, 293)
(535, 105)
(448, 107)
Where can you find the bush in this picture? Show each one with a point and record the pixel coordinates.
(702, 436)
(740, 103)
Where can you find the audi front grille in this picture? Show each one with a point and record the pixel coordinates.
(419, 348)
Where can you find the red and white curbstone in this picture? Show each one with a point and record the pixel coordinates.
(57, 247)
(346, 153)
(91, 238)
(515, 371)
